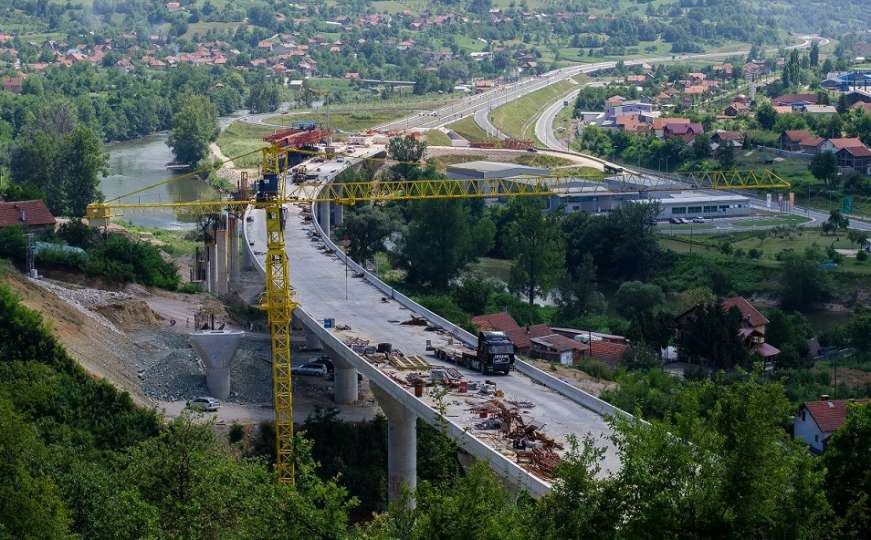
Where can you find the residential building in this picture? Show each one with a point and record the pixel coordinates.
(558, 348)
(13, 84)
(752, 330)
(819, 109)
(834, 145)
(737, 108)
(659, 124)
(857, 96)
(685, 132)
(816, 421)
(733, 138)
(800, 140)
(856, 158)
(796, 101)
(30, 214)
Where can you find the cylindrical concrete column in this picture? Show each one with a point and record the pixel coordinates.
(311, 340)
(221, 283)
(235, 264)
(211, 269)
(338, 214)
(324, 216)
(347, 390)
(401, 446)
(217, 348)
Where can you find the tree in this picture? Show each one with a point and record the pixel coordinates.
(635, 298)
(578, 289)
(860, 238)
(789, 332)
(437, 243)
(726, 156)
(194, 126)
(85, 161)
(837, 221)
(537, 248)
(824, 166)
(264, 97)
(803, 284)
(814, 54)
(408, 151)
(847, 462)
(702, 146)
(766, 115)
(709, 336)
(366, 227)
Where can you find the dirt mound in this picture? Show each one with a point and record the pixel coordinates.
(88, 338)
(129, 314)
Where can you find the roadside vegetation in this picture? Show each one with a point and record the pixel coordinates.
(517, 119)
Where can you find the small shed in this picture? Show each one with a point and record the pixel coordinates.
(557, 348)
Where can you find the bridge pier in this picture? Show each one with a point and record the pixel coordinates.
(338, 214)
(235, 265)
(401, 446)
(221, 285)
(324, 216)
(347, 389)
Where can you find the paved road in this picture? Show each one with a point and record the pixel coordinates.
(544, 131)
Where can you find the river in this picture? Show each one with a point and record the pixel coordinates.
(140, 162)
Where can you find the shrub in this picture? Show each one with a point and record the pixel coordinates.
(13, 243)
(236, 433)
(59, 258)
(862, 255)
(596, 368)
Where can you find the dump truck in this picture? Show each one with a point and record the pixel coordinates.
(495, 353)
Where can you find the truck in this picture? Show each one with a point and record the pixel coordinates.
(495, 353)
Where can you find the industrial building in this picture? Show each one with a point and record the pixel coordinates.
(690, 205)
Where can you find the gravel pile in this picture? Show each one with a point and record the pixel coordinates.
(169, 369)
(84, 299)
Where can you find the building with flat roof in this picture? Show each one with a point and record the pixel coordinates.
(492, 169)
(702, 205)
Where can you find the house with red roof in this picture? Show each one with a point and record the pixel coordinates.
(800, 140)
(557, 348)
(752, 330)
(816, 421)
(30, 214)
(659, 124)
(856, 158)
(686, 132)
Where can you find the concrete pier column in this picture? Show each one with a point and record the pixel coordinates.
(324, 216)
(338, 214)
(217, 348)
(347, 390)
(401, 446)
(221, 282)
(235, 264)
(211, 269)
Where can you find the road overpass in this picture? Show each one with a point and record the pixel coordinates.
(328, 286)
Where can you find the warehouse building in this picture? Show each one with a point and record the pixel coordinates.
(492, 169)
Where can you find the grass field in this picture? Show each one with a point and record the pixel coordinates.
(517, 119)
(541, 160)
(240, 138)
(435, 137)
(772, 221)
(770, 246)
(469, 130)
(499, 269)
(344, 121)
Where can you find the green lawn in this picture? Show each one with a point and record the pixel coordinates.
(344, 121)
(442, 162)
(499, 269)
(541, 160)
(517, 119)
(240, 138)
(770, 245)
(470, 130)
(435, 137)
(771, 221)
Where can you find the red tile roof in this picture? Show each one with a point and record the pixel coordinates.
(660, 123)
(789, 99)
(858, 151)
(29, 213)
(559, 343)
(503, 322)
(830, 414)
(862, 105)
(539, 330)
(749, 313)
(846, 142)
(610, 353)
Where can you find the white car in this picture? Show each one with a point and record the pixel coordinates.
(204, 403)
(312, 369)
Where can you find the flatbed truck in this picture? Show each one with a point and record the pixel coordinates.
(495, 354)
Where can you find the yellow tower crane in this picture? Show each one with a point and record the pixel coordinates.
(278, 300)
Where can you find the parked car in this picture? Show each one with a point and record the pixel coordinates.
(698, 219)
(204, 403)
(532, 149)
(340, 159)
(674, 220)
(312, 369)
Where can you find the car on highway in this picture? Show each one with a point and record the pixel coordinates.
(675, 220)
(698, 219)
(311, 369)
(204, 403)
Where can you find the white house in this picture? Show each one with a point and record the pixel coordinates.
(817, 420)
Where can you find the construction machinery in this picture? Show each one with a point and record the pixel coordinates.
(274, 191)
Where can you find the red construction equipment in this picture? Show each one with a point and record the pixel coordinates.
(287, 138)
